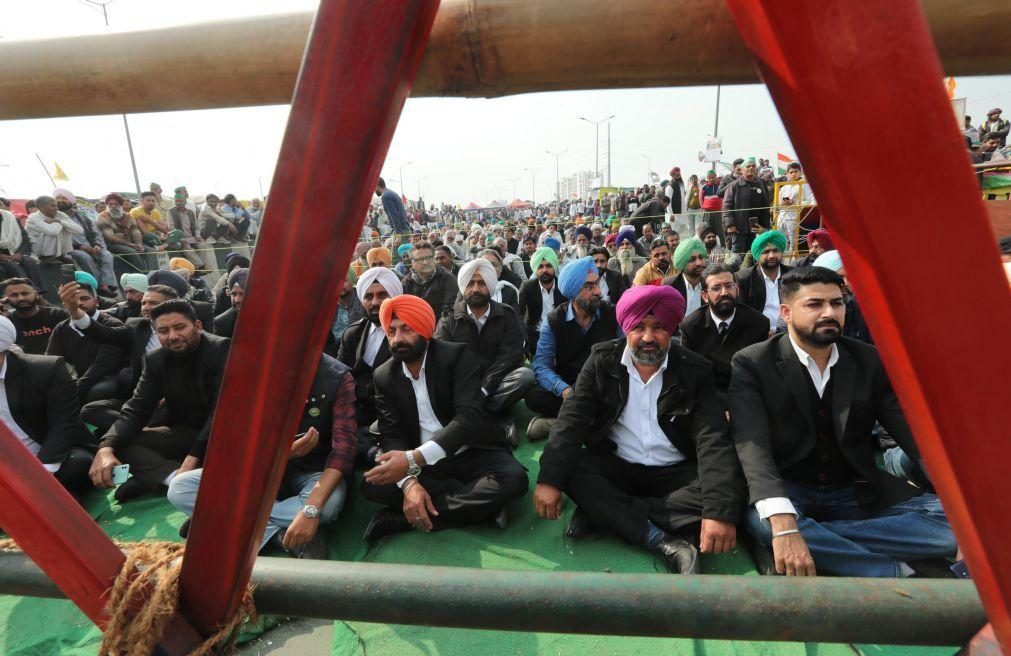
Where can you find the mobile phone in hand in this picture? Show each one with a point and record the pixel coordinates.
(120, 473)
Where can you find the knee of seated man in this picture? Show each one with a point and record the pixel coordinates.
(183, 487)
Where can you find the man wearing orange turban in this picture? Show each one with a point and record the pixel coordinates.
(379, 257)
(444, 463)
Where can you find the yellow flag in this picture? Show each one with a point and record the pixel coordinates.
(59, 174)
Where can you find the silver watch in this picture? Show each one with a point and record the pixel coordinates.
(412, 467)
(311, 512)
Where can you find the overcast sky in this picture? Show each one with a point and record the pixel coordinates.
(460, 150)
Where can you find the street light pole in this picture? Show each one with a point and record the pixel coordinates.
(403, 180)
(596, 145)
(558, 189)
(533, 185)
(649, 170)
(513, 180)
(420, 180)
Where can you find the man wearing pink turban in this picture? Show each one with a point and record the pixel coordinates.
(641, 444)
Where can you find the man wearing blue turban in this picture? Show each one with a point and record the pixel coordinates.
(566, 337)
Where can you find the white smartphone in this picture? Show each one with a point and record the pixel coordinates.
(120, 473)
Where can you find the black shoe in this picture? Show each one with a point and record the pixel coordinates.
(931, 568)
(581, 526)
(680, 556)
(130, 490)
(184, 530)
(388, 521)
(500, 519)
(315, 549)
(765, 562)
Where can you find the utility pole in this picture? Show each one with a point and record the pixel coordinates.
(558, 189)
(403, 180)
(716, 128)
(596, 143)
(649, 170)
(513, 180)
(608, 153)
(420, 180)
(533, 185)
(126, 124)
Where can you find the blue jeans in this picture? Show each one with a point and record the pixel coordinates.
(846, 540)
(182, 494)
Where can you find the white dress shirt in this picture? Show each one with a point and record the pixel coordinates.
(637, 433)
(782, 505)
(372, 343)
(428, 422)
(482, 320)
(547, 301)
(604, 292)
(8, 418)
(771, 309)
(694, 299)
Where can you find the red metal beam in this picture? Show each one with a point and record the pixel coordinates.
(859, 87)
(359, 65)
(55, 531)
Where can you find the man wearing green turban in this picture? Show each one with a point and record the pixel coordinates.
(691, 259)
(349, 310)
(759, 284)
(540, 294)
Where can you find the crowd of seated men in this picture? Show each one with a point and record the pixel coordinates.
(708, 406)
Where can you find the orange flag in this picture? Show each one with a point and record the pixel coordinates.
(950, 85)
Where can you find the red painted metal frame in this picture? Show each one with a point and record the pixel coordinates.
(359, 65)
(858, 83)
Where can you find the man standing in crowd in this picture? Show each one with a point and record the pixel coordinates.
(539, 295)
(94, 364)
(658, 266)
(746, 209)
(183, 377)
(722, 326)
(803, 406)
(122, 235)
(996, 126)
(50, 230)
(628, 453)
(569, 332)
(793, 199)
(690, 260)
(314, 485)
(759, 284)
(395, 212)
(676, 193)
(735, 172)
(429, 281)
(494, 337)
(32, 318)
(443, 464)
(651, 212)
(364, 347)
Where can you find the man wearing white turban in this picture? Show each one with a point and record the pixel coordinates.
(38, 404)
(364, 347)
(493, 333)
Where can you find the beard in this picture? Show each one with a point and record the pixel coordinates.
(582, 251)
(407, 352)
(771, 264)
(723, 307)
(373, 318)
(626, 262)
(822, 337)
(115, 212)
(589, 305)
(649, 354)
(24, 306)
(546, 278)
(63, 207)
(476, 299)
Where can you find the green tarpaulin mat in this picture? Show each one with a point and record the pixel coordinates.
(44, 627)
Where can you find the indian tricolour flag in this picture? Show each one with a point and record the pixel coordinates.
(782, 162)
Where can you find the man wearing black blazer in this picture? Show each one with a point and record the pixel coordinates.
(445, 463)
(759, 284)
(803, 405)
(612, 284)
(39, 405)
(533, 293)
(138, 338)
(722, 326)
(184, 376)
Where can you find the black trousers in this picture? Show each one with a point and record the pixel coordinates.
(514, 386)
(465, 487)
(102, 414)
(623, 497)
(157, 452)
(543, 402)
(73, 473)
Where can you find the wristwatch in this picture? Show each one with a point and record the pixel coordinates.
(412, 467)
(311, 512)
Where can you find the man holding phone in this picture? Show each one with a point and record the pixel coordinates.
(746, 208)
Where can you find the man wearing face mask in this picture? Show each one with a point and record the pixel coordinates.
(122, 235)
(89, 253)
(363, 347)
(430, 281)
(722, 326)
